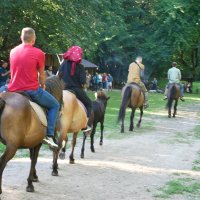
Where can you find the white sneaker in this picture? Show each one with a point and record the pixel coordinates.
(87, 129)
(50, 142)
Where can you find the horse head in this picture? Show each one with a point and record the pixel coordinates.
(55, 86)
(101, 96)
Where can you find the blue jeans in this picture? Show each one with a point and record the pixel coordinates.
(48, 101)
(3, 88)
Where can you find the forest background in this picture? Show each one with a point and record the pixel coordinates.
(111, 32)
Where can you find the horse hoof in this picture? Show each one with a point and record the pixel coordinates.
(71, 162)
(122, 131)
(62, 155)
(173, 115)
(92, 150)
(169, 116)
(100, 143)
(138, 125)
(54, 173)
(82, 156)
(30, 189)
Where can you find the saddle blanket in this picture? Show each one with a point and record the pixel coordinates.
(40, 113)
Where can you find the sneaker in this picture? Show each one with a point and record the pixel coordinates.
(49, 140)
(165, 98)
(87, 129)
(182, 99)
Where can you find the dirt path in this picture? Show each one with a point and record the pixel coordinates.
(132, 168)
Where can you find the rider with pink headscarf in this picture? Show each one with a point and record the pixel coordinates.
(74, 76)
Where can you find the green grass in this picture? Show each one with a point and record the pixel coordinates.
(197, 131)
(179, 186)
(2, 148)
(112, 129)
(196, 163)
(179, 137)
(196, 87)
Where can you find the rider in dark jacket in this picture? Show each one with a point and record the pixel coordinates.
(74, 76)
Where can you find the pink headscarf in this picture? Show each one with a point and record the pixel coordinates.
(73, 54)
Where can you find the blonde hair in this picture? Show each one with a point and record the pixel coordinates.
(27, 35)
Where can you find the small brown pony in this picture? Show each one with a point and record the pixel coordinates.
(173, 95)
(20, 127)
(132, 97)
(73, 119)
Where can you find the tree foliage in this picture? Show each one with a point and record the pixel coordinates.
(112, 33)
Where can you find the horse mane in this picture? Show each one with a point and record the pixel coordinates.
(101, 95)
(55, 86)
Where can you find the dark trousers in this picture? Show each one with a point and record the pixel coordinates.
(82, 96)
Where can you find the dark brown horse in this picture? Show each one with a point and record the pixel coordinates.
(20, 127)
(132, 97)
(173, 95)
(97, 116)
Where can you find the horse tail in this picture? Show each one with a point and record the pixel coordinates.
(171, 96)
(126, 96)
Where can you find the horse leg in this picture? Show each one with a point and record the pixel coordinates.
(131, 120)
(175, 108)
(92, 137)
(63, 149)
(7, 155)
(83, 145)
(56, 154)
(169, 111)
(32, 174)
(141, 114)
(35, 177)
(122, 127)
(102, 128)
(73, 143)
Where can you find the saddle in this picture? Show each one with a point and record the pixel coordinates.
(39, 110)
(136, 84)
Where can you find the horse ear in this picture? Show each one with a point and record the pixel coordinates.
(107, 98)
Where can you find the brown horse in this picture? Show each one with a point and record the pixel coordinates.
(173, 95)
(20, 127)
(132, 97)
(73, 119)
(97, 116)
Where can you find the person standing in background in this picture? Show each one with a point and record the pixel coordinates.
(4, 73)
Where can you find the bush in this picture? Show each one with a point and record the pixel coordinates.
(196, 87)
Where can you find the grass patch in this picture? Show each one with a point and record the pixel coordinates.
(196, 163)
(197, 131)
(112, 129)
(179, 187)
(178, 138)
(2, 148)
